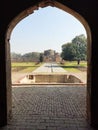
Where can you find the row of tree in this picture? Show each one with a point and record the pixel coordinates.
(76, 50)
(28, 57)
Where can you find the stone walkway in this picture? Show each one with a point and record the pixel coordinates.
(50, 68)
(48, 108)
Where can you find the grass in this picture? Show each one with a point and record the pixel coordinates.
(71, 66)
(24, 66)
(16, 64)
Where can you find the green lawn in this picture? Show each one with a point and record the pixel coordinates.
(24, 66)
(71, 66)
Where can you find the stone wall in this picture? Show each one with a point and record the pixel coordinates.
(50, 78)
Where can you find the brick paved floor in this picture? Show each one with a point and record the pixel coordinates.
(49, 108)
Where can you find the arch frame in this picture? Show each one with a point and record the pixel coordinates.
(27, 12)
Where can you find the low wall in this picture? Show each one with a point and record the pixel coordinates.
(51, 78)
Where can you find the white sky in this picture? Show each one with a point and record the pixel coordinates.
(46, 28)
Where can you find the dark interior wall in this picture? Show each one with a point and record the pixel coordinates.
(86, 8)
(13, 7)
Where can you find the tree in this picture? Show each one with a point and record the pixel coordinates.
(41, 57)
(80, 44)
(27, 57)
(31, 56)
(68, 52)
(76, 50)
(15, 57)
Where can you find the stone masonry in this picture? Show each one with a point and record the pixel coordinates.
(48, 108)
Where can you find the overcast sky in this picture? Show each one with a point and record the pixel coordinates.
(46, 28)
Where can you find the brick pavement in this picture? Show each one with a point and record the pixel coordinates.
(48, 108)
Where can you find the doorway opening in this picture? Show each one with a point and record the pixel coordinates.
(48, 34)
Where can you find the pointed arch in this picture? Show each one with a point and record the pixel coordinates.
(25, 13)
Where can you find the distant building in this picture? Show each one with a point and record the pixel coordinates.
(58, 57)
(51, 56)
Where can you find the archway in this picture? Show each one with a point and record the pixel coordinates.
(26, 13)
